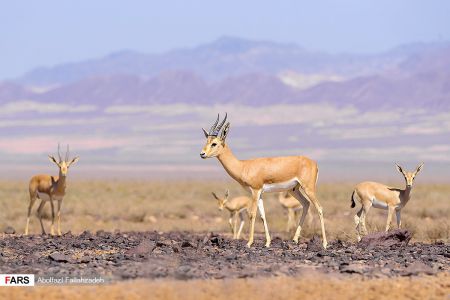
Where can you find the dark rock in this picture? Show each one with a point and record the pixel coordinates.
(215, 240)
(59, 257)
(186, 244)
(206, 238)
(315, 244)
(398, 237)
(9, 230)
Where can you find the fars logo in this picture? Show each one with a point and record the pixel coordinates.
(16, 279)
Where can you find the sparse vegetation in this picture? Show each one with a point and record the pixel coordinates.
(157, 205)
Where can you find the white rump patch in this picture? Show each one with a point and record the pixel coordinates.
(280, 186)
(378, 204)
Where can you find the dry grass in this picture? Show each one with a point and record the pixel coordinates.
(307, 287)
(188, 205)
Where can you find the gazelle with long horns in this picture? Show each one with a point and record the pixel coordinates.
(296, 174)
(50, 188)
(374, 194)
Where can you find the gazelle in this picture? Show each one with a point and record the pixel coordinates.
(381, 196)
(50, 188)
(296, 174)
(293, 207)
(236, 206)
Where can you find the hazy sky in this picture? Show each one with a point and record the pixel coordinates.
(36, 33)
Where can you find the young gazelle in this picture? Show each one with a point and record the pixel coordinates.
(296, 174)
(293, 207)
(236, 206)
(381, 196)
(50, 188)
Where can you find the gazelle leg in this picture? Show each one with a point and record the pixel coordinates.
(41, 206)
(366, 207)
(235, 226)
(230, 222)
(241, 218)
(305, 204)
(398, 214)
(30, 206)
(263, 217)
(358, 223)
(252, 214)
(309, 219)
(389, 218)
(312, 197)
(59, 216)
(291, 220)
(52, 229)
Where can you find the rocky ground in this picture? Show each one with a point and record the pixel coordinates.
(183, 255)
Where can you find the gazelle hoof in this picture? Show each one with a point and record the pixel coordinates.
(249, 244)
(267, 244)
(325, 244)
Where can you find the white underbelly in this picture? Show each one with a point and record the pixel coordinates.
(378, 204)
(280, 186)
(46, 197)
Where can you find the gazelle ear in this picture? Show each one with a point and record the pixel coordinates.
(215, 196)
(419, 168)
(224, 133)
(52, 159)
(399, 169)
(205, 133)
(74, 160)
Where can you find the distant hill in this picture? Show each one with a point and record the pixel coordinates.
(130, 110)
(225, 57)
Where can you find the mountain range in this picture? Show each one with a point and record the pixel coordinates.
(130, 107)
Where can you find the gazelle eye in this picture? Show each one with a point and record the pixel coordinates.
(213, 144)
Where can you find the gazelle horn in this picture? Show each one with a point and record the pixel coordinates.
(211, 131)
(67, 153)
(59, 153)
(218, 128)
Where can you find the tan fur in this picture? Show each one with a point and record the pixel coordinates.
(236, 207)
(382, 196)
(257, 173)
(52, 186)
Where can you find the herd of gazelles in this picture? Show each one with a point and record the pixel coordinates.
(294, 176)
